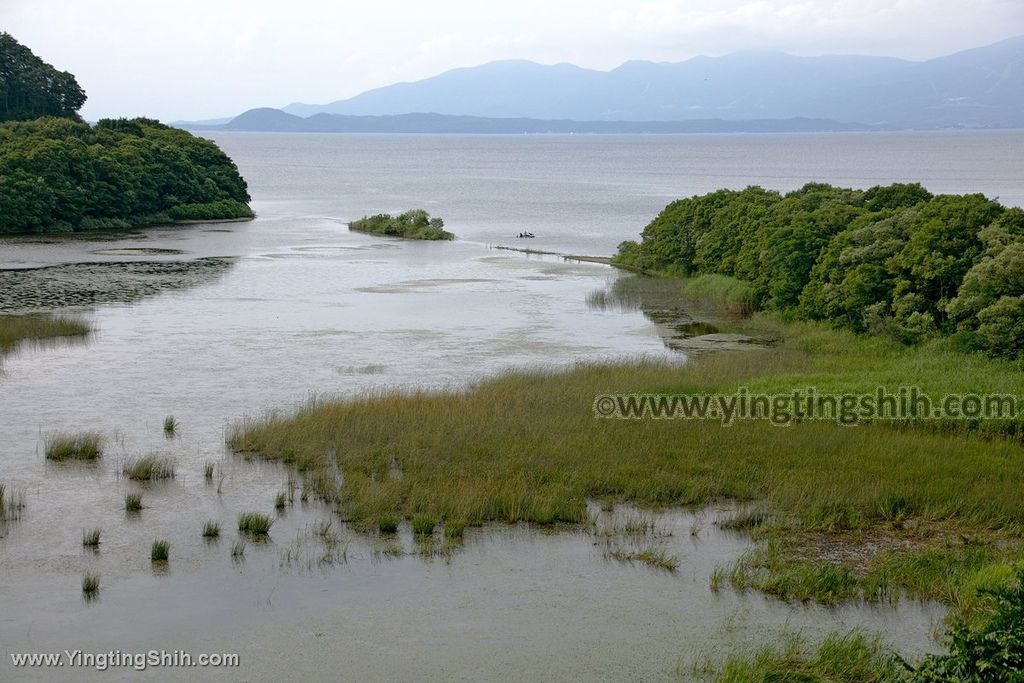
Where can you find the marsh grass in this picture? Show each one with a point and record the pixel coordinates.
(454, 530)
(208, 472)
(387, 524)
(170, 425)
(422, 525)
(133, 502)
(19, 329)
(238, 549)
(149, 468)
(211, 530)
(652, 557)
(280, 501)
(91, 538)
(851, 657)
(84, 446)
(255, 523)
(12, 503)
(160, 552)
(90, 585)
(528, 447)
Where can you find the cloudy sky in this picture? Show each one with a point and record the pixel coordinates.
(192, 59)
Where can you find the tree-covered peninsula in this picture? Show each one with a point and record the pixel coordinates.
(58, 174)
(892, 260)
(415, 225)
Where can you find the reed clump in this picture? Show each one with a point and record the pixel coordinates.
(255, 523)
(84, 446)
(149, 468)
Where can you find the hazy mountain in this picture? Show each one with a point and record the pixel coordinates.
(981, 87)
(275, 120)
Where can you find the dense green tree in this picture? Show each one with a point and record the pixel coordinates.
(893, 259)
(29, 87)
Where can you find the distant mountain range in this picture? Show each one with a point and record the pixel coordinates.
(743, 91)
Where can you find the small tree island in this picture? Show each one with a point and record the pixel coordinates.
(414, 225)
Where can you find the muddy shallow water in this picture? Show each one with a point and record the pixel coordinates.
(212, 323)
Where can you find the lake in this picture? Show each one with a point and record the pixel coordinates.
(213, 322)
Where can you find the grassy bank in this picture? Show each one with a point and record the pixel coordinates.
(924, 507)
(19, 329)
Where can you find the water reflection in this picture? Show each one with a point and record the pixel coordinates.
(682, 324)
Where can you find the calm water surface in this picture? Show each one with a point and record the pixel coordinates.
(213, 322)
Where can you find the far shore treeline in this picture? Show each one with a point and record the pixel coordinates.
(892, 260)
(58, 174)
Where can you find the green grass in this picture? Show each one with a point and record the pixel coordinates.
(133, 502)
(90, 584)
(652, 557)
(735, 295)
(18, 329)
(255, 523)
(454, 530)
(84, 446)
(422, 525)
(211, 529)
(91, 538)
(149, 468)
(170, 425)
(160, 551)
(280, 501)
(840, 658)
(526, 446)
(388, 524)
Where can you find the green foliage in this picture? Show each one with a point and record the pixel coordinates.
(62, 175)
(29, 87)
(416, 225)
(993, 653)
(891, 260)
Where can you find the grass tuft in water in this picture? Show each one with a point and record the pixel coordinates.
(422, 525)
(133, 502)
(91, 538)
(160, 551)
(211, 529)
(255, 523)
(170, 425)
(388, 524)
(17, 329)
(149, 468)
(653, 557)
(454, 530)
(280, 501)
(208, 472)
(90, 584)
(61, 446)
(238, 549)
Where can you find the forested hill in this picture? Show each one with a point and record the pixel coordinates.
(58, 174)
(892, 260)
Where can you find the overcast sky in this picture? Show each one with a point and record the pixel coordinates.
(193, 59)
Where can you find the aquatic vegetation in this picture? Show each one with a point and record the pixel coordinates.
(18, 329)
(255, 523)
(852, 657)
(388, 524)
(208, 472)
(454, 530)
(90, 584)
(160, 551)
(133, 502)
(422, 525)
(238, 549)
(170, 425)
(211, 529)
(416, 225)
(280, 501)
(652, 556)
(85, 446)
(149, 468)
(91, 538)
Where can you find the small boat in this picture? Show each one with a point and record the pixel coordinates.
(526, 235)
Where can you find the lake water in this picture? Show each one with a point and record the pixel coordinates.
(213, 322)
